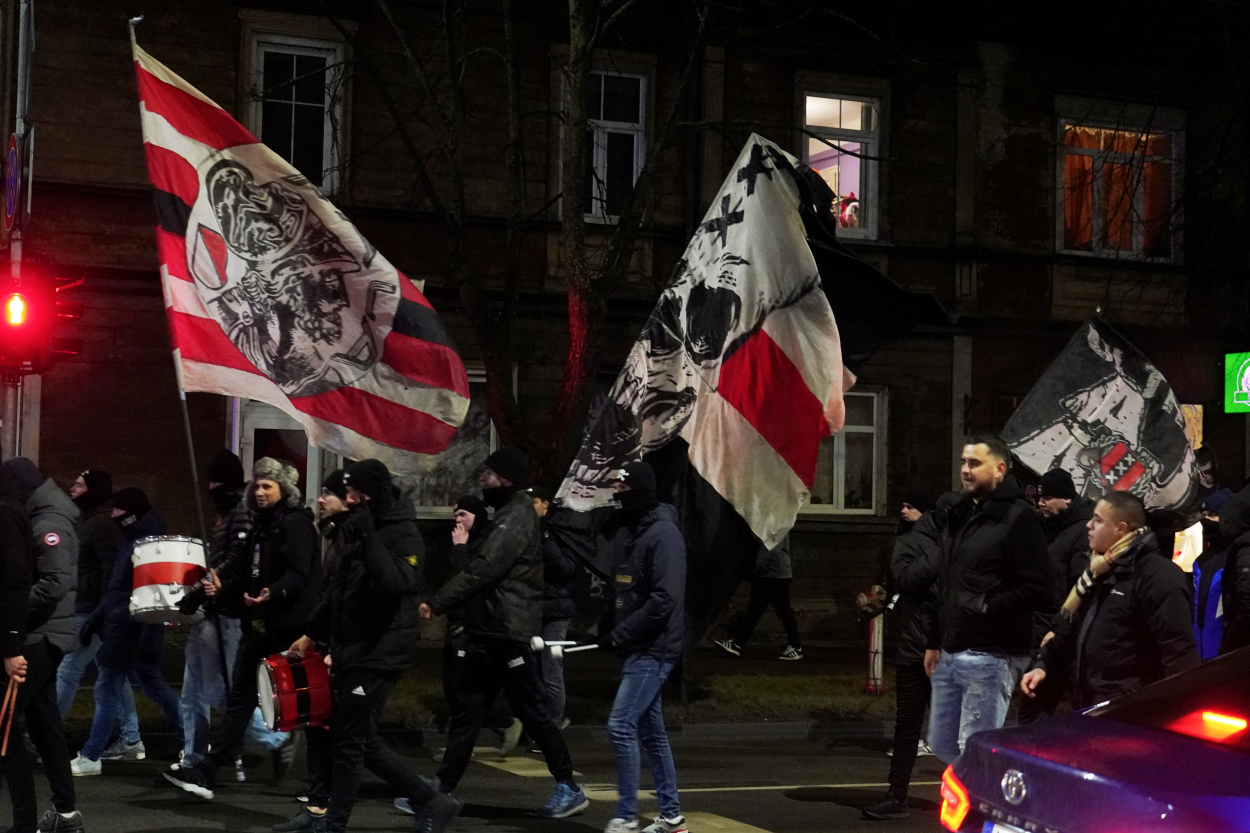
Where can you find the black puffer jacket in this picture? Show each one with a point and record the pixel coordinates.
(500, 592)
(125, 641)
(914, 573)
(1133, 628)
(996, 574)
(97, 548)
(17, 567)
(1235, 527)
(1069, 554)
(559, 567)
(645, 613)
(53, 522)
(368, 609)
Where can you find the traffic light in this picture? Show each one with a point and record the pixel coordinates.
(29, 316)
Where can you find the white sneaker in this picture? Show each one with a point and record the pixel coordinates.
(122, 751)
(663, 825)
(791, 653)
(621, 826)
(924, 749)
(85, 766)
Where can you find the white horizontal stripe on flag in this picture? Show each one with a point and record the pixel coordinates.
(180, 296)
(808, 334)
(158, 131)
(440, 403)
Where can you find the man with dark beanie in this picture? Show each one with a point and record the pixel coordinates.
(49, 635)
(367, 615)
(500, 595)
(276, 570)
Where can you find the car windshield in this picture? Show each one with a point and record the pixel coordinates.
(1211, 702)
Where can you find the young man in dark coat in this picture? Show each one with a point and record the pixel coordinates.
(367, 615)
(643, 621)
(277, 570)
(995, 575)
(500, 594)
(50, 634)
(1235, 592)
(1127, 617)
(559, 567)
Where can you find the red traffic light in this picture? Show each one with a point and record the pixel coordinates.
(15, 310)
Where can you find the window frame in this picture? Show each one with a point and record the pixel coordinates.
(880, 449)
(1103, 115)
(601, 127)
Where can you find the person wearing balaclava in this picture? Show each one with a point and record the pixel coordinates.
(275, 570)
(130, 649)
(50, 634)
(204, 681)
(643, 621)
(500, 596)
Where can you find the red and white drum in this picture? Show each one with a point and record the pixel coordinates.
(166, 566)
(294, 691)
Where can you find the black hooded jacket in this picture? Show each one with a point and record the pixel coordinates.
(1133, 628)
(913, 573)
(97, 547)
(645, 613)
(368, 609)
(559, 567)
(995, 575)
(1069, 553)
(17, 567)
(1235, 529)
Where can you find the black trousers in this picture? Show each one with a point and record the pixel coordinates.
(337, 755)
(912, 698)
(454, 665)
(484, 671)
(765, 592)
(1047, 699)
(227, 740)
(37, 713)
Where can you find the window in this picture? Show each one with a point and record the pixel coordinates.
(847, 137)
(298, 101)
(850, 468)
(614, 141)
(1119, 186)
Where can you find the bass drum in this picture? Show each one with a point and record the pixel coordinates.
(166, 567)
(294, 691)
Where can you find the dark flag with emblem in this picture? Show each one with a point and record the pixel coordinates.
(1105, 414)
(272, 294)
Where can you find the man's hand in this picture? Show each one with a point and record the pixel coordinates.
(459, 535)
(328, 660)
(425, 611)
(301, 646)
(1049, 636)
(87, 634)
(212, 584)
(252, 601)
(606, 642)
(1030, 681)
(931, 661)
(15, 667)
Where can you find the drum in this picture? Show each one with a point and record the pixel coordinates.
(294, 691)
(165, 568)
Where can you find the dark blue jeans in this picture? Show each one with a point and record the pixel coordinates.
(638, 715)
(108, 694)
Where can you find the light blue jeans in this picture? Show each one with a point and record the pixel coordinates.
(69, 676)
(971, 693)
(203, 687)
(108, 693)
(638, 715)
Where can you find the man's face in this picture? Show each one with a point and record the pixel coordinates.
(79, 487)
(1052, 507)
(117, 513)
(355, 497)
(1104, 529)
(980, 471)
(1210, 516)
(620, 486)
(328, 503)
(910, 513)
(465, 518)
(266, 493)
(487, 479)
(541, 506)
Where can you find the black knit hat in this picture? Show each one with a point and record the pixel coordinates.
(474, 505)
(511, 464)
(99, 483)
(369, 477)
(26, 473)
(1058, 483)
(638, 476)
(918, 499)
(335, 484)
(132, 501)
(226, 468)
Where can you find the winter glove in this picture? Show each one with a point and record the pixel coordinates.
(188, 604)
(607, 643)
(87, 633)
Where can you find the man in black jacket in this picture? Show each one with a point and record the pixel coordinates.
(1128, 617)
(276, 570)
(559, 567)
(50, 634)
(500, 595)
(995, 575)
(643, 620)
(1235, 530)
(367, 615)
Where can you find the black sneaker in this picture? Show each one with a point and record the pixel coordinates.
(438, 815)
(889, 808)
(192, 779)
(54, 822)
(303, 820)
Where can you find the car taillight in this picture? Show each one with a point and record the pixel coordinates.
(955, 803)
(1209, 725)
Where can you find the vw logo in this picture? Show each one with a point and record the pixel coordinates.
(1014, 789)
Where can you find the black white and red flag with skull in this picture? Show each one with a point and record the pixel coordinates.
(1105, 414)
(272, 294)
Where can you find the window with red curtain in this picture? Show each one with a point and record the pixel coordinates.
(1118, 191)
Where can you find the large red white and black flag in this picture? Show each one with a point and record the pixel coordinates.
(272, 294)
(1105, 414)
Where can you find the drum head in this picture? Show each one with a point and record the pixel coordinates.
(265, 693)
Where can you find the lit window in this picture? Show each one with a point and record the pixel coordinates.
(615, 107)
(847, 138)
(298, 92)
(850, 462)
(1119, 190)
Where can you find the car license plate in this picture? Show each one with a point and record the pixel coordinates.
(995, 827)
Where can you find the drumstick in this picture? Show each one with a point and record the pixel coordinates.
(11, 700)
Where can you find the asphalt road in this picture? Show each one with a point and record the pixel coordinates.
(736, 780)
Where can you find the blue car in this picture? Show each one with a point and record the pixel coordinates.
(1171, 758)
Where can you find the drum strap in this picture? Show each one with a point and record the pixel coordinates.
(303, 700)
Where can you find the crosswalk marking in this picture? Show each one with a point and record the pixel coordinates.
(712, 823)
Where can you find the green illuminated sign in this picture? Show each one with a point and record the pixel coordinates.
(1237, 383)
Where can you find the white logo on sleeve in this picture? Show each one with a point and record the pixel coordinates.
(359, 690)
(52, 539)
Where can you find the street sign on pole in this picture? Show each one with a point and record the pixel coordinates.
(12, 183)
